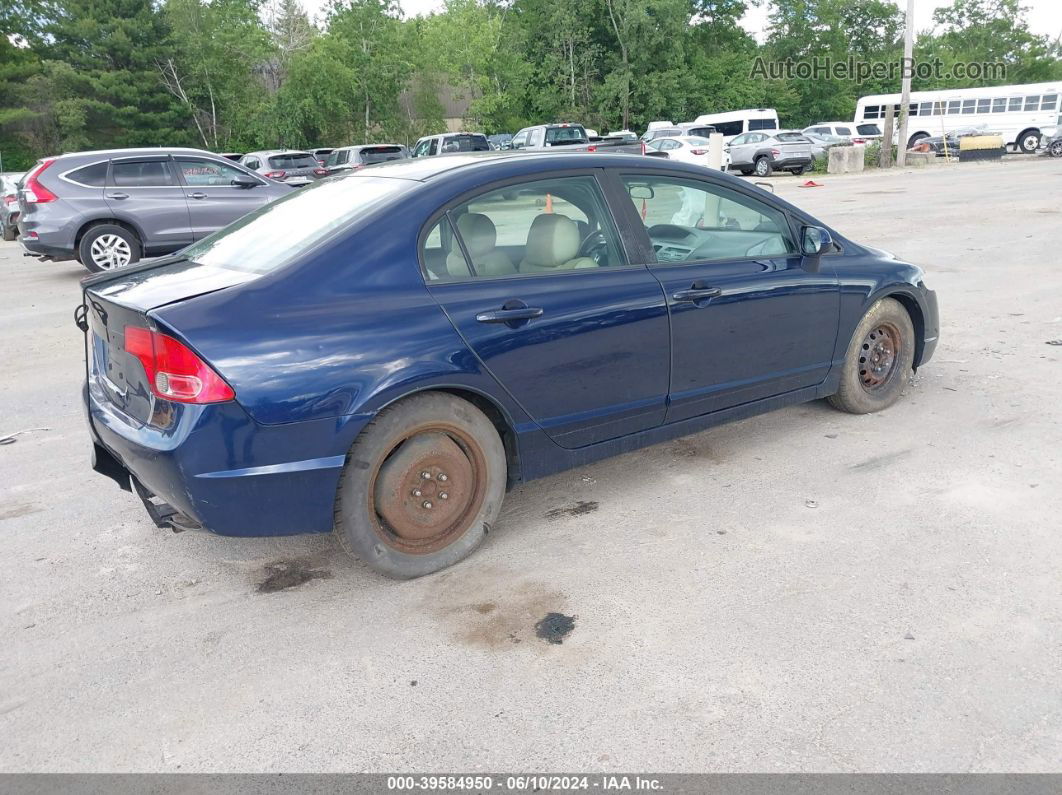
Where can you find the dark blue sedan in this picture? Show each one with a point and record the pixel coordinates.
(383, 354)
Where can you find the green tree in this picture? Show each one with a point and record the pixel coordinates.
(100, 64)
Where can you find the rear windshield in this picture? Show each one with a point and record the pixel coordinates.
(293, 160)
(565, 135)
(380, 154)
(868, 129)
(791, 138)
(465, 143)
(700, 131)
(277, 233)
(762, 124)
(694, 140)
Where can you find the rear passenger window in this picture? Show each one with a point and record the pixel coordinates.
(94, 176)
(142, 174)
(442, 256)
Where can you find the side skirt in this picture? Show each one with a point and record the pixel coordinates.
(539, 456)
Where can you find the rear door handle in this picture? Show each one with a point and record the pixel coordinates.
(197, 195)
(117, 195)
(697, 292)
(509, 315)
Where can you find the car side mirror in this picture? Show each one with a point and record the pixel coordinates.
(815, 241)
(244, 181)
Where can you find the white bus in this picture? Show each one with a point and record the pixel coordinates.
(1019, 113)
(737, 122)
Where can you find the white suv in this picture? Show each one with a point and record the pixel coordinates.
(862, 133)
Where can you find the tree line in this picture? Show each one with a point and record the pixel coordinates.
(237, 75)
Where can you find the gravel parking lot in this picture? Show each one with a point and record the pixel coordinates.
(804, 590)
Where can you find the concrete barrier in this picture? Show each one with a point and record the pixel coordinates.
(844, 159)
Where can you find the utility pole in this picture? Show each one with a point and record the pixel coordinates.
(905, 85)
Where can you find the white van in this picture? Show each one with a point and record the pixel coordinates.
(737, 122)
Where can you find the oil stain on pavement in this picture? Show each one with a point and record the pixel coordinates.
(575, 509)
(286, 574)
(555, 627)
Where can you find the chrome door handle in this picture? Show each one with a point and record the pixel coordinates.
(697, 293)
(197, 195)
(509, 315)
(117, 195)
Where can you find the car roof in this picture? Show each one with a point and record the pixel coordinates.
(142, 150)
(424, 169)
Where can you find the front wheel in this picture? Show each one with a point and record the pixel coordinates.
(422, 486)
(1055, 148)
(107, 247)
(9, 232)
(762, 166)
(1029, 141)
(878, 363)
(745, 172)
(798, 170)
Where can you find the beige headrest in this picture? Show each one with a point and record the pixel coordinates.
(478, 232)
(552, 240)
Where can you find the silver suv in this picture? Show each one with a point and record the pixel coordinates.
(107, 209)
(290, 166)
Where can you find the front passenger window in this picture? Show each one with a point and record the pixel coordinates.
(201, 173)
(694, 221)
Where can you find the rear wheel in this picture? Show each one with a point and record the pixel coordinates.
(878, 363)
(9, 232)
(1055, 148)
(798, 170)
(762, 166)
(422, 486)
(107, 247)
(912, 142)
(746, 172)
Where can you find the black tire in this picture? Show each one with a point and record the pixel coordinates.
(745, 172)
(1029, 141)
(1055, 148)
(762, 167)
(867, 384)
(914, 139)
(125, 244)
(382, 485)
(10, 232)
(798, 170)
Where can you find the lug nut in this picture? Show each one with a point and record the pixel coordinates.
(442, 477)
(427, 504)
(425, 475)
(444, 496)
(416, 492)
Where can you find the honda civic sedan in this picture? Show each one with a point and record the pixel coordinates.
(383, 354)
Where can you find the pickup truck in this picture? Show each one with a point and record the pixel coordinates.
(573, 138)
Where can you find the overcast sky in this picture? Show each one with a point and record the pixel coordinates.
(1045, 16)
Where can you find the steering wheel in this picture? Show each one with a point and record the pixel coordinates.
(594, 246)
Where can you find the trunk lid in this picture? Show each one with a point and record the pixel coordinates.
(115, 301)
(793, 145)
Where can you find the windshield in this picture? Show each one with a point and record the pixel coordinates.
(293, 160)
(868, 129)
(565, 135)
(274, 235)
(791, 138)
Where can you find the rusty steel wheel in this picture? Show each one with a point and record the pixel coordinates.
(879, 360)
(422, 485)
(429, 488)
(879, 353)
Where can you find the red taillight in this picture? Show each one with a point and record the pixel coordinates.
(10, 198)
(320, 172)
(699, 151)
(173, 370)
(859, 140)
(776, 152)
(276, 174)
(643, 147)
(591, 148)
(34, 191)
